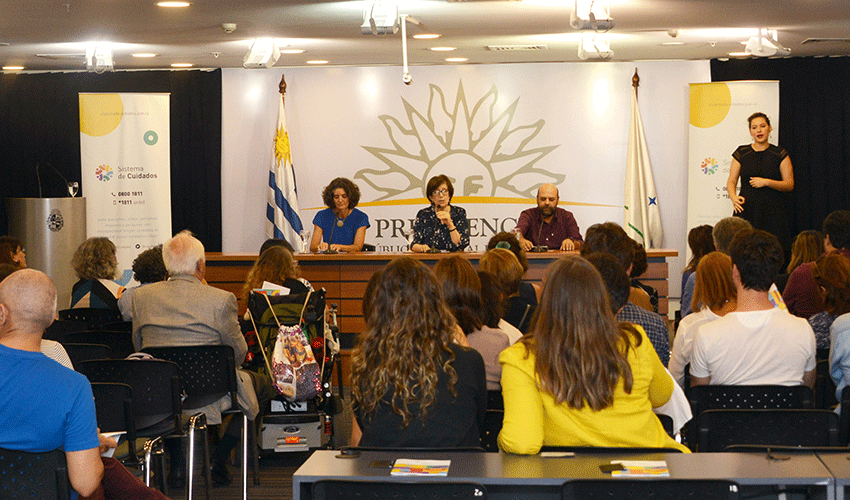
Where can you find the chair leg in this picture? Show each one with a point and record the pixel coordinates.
(191, 462)
(255, 453)
(244, 457)
(205, 444)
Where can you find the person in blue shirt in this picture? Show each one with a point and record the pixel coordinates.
(340, 227)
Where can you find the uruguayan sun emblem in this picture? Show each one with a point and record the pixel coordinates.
(478, 147)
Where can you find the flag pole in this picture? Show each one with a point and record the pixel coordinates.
(635, 81)
(282, 87)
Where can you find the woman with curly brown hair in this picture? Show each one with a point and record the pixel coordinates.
(340, 227)
(148, 268)
(277, 266)
(411, 385)
(96, 265)
(579, 378)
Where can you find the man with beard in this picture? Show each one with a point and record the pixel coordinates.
(547, 225)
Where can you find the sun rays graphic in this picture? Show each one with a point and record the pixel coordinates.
(483, 152)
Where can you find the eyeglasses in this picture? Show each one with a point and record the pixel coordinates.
(440, 192)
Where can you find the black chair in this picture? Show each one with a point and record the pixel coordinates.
(156, 401)
(844, 419)
(719, 429)
(824, 386)
(641, 489)
(34, 475)
(492, 426)
(120, 326)
(609, 450)
(120, 343)
(113, 403)
(93, 317)
(743, 397)
(207, 374)
(59, 328)
(667, 423)
(333, 489)
(87, 352)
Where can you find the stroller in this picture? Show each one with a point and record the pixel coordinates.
(296, 426)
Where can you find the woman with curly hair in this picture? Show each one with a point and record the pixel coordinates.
(518, 301)
(411, 385)
(340, 227)
(96, 265)
(148, 267)
(579, 378)
(277, 266)
(832, 277)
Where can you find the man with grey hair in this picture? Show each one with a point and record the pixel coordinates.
(722, 234)
(185, 311)
(43, 405)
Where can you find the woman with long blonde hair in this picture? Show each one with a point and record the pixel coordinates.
(411, 385)
(714, 297)
(579, 378)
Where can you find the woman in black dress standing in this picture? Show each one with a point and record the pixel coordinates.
(766, 176)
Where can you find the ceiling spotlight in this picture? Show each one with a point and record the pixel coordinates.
(765, 46)
(739, 54)
(317, 61)
(181, 65)
(144, 54)
(591, 15)
(292, 51)
(173, 4)
(593, 47)
(673, 43)
(426, 36)
(456, 59)
(262, 54)
(99, 57)
(380, 18)
(443, 49)
(13, 68)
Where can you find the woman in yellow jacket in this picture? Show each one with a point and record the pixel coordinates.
(579, 378)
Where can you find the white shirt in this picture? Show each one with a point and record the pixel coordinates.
(683, 342)
(769, 347)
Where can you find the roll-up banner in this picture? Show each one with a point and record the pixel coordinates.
(718, 125)
(126, 171)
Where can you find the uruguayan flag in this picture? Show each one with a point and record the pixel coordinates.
(282, 216)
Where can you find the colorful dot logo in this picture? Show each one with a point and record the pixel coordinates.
(103, 173)
(709, 166)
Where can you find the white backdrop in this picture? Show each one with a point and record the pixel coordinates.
(575, 113)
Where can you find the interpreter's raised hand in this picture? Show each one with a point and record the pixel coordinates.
(738, 203)
(758, 182)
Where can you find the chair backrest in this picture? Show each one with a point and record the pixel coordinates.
(120, 343)
(659, 489)
(113, 403)
(332, 489)
(155, 385)
(207, 373)
(667, 423)
(60, 327)
(492, 426)
(34, 475)
(719, 429)
(609, 450)
(94, 317)
(120, 326)
(744, 397)
(844, 420)
(87, 352)
(824, 386)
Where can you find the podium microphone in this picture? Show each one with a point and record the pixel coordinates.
(539, 248)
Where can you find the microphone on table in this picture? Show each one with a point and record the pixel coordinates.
(539, 248)
(330, 240)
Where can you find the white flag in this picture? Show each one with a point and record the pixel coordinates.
(282, 216)
(642, 215)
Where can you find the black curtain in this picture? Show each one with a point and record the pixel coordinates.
(814, 110)
(40, 124)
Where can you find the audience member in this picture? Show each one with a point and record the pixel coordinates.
(757, 344)
(578, 378)
(411, 385)
(832, 276)
(807, 247)
(12, 252)
(716, 293)
(639, 266)
(722, 234)
(510, 242)
(610, 238)
(491, 299)
(184, 311)
(546, 225)
(6, 270)
(148, 267)
(519, 301)
(801, 293)
(275, 242)
(277, 266)
(701, 244)
(462, 292)
(96, 265)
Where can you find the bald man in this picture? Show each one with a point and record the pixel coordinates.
(43, 405)
(547, 225)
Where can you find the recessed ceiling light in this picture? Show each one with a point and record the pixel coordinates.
(317, 61)
(739, 54)
(442, 49)
(673, 43)
(12, 68)
(173, 4)
(144, 54)
(292, 51)
(426, 36)
(456, 59)
(181, 65)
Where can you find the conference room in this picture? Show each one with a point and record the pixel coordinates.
(354, 116)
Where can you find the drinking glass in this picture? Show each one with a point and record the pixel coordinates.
(305, 240)
(73, 188)
(408, 235)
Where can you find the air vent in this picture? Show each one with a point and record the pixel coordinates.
(81, 56)
(507, 48)
(826, 40)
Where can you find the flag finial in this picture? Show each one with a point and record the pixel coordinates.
(635, 80)
(282, 86)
